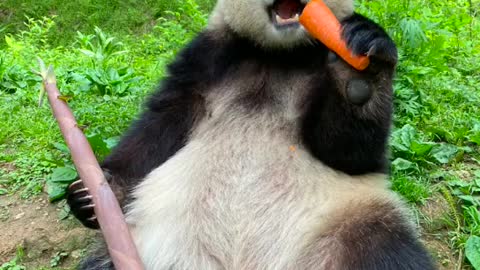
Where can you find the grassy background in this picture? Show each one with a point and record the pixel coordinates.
(119, 16)
(434, 146)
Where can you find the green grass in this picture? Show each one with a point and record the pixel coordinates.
(122, 17)
(434, 146)
(108, 80)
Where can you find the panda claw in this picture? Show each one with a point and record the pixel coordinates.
(81, 204)
(91, 223)
(76, 183)
(80, 191)
(364, 37)
(87, 207)
(85, 199)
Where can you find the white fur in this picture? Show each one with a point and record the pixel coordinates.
(250, 18)
(243, 193)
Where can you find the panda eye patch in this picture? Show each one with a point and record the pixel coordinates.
(286, 12)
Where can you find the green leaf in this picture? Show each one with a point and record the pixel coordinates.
(98, 145)
(402, 138)
(112, 142)
(444, 153)
(9, 40)
(472, 251)
(468, 198)
(58, 182)
(62, 147)
(88, 53)
(401, 164)
(475, 138)
(56, 191)
(408, 134)
(64, 212)
(421, 148)
(3, 191)
(63, 175)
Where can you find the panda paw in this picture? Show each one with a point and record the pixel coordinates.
(81, 204)
(364, 37)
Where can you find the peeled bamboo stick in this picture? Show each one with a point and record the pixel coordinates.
(112, 223)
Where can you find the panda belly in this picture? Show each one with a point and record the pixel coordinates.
(242, 194)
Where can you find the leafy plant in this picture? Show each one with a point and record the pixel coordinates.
(472, 250)
(112, 81)
(66, 173)
(14, 263)
(59, 180)
(99, 47)
(37, 31)
(410, 150)
(14, 78)
(57, 258)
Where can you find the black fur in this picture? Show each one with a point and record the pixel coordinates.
(98, 260)
(339, 132)
(364, 37)
(378, 241)
(371, 236)
(81, 205)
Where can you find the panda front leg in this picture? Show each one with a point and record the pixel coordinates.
(80, 200)
(347, 124)
(364, 37)
(156, 136)
(81, 204)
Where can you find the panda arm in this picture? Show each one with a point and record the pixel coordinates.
(160, 131)
(170, 114)
(157, 135)
(347, 133)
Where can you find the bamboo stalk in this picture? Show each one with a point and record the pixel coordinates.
(112, 223)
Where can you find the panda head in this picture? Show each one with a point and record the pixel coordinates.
(270, 23)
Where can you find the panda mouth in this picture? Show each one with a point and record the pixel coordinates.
(286, 13)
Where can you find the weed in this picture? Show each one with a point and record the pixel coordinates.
(14, 264)
(57, 258)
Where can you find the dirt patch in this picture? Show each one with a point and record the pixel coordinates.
(439, 248)
(35, 227)
(436, 213)
(7, 167)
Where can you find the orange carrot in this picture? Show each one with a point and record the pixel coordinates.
(322, 24)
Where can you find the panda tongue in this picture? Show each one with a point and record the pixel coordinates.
(287, 9)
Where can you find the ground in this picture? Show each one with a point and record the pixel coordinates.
(39, 230)
(435, 237)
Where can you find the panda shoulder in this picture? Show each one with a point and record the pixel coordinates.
(195, 69)
(206, 57)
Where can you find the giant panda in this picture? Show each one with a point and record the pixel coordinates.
(262, 149)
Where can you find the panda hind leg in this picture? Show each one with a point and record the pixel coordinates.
(376, 236)
(97, 260)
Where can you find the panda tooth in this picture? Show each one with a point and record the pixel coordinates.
(278, 18)
(282, 21)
